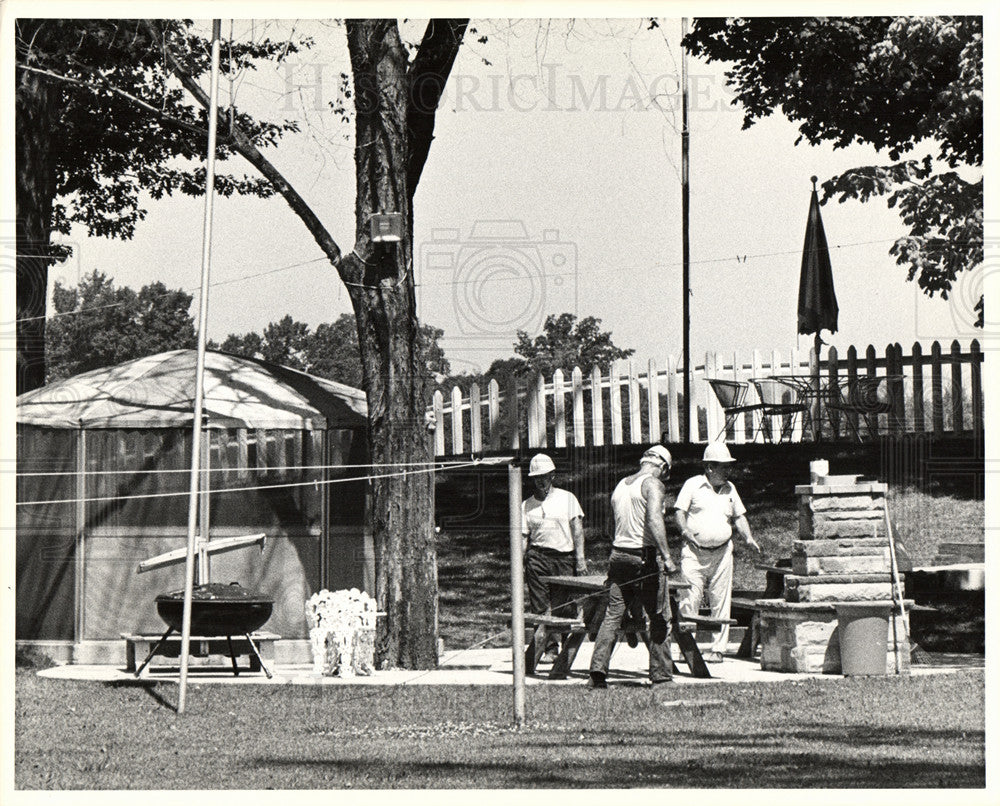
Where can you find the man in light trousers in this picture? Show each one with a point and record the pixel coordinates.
(708, 509)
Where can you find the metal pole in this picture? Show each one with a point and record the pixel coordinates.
(898, 588)
(199, 386)
(516, 590)
(685, 242)
(814, 414)
(80, 559)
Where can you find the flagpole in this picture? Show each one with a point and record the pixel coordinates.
(199, 386)
(685, 243)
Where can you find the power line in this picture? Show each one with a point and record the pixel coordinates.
(268, 469)
(739, 258)
(174, 291)
(314, 483)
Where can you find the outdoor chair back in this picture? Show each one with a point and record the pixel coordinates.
(864, 397)
(781, 400)
(732, 397)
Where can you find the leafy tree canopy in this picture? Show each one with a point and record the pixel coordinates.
(122, 122)
(564, 343)
(331, 351)
(99, 325)
(895, 83)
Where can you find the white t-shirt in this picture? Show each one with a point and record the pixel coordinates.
(710, 514)
(546, 523)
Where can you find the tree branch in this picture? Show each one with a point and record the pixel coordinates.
(348, 267)
(111, 88)
(428, 75)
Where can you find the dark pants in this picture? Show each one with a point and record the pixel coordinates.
(540, 562)
(632, 582)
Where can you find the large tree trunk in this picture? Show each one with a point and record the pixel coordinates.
(393, 139)
(35, 191)
(381, 286)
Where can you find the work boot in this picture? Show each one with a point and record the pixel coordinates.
(597, 680)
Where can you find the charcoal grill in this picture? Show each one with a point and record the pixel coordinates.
(217, 609)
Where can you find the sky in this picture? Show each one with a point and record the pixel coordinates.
(552, 185)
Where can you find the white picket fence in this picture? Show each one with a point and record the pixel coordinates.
(940, 393)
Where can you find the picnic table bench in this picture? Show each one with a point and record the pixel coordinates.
(590, 597)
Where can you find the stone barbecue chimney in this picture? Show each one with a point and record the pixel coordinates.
(841, 555)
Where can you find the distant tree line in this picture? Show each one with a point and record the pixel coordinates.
(98, 324)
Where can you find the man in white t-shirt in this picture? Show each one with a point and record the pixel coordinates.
(552, 530)
(708, 509)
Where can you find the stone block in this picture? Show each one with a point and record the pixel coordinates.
(804, 661)
(863, 564)
(857, 592)
(849, 515)
(840, 547)
(860, 488)
(827, 503)
(794, 580)
(823, 529)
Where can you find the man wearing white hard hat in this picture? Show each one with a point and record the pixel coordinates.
(637, 568)
(708, 509)
(552, 531)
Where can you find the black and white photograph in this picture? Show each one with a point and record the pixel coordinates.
(564, 396)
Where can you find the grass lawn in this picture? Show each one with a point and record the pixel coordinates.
(925, 731)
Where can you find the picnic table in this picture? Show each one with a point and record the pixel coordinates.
(591, 599)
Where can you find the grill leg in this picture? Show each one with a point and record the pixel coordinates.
(260, 660)
(152, 652)
(232, 656)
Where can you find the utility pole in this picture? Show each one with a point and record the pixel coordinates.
(685, 241)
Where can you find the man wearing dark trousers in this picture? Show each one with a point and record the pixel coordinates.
(638, 567)
(552, 530)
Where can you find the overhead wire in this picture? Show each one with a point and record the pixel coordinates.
(285, 485)
(268, 469)
(739, 258)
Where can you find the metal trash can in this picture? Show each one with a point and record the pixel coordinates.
(864, 631)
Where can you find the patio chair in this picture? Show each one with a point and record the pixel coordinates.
(732, 397)
(859, 399)
(780, 400)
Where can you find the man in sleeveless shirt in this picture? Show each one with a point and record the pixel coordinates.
(708, 509)
(552, 532)
(638, 567)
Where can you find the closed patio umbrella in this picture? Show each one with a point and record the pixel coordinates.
(817, 300)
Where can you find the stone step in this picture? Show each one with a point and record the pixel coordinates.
(840, 547)
(864, 564)
(840, 592)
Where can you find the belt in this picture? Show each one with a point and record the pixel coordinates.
(710, 548)
(633, 552)
(554, 552)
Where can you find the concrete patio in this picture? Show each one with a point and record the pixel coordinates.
(480, 667)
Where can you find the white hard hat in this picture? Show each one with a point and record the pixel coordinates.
(717, 452)
(540, 465)
(658, 454)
